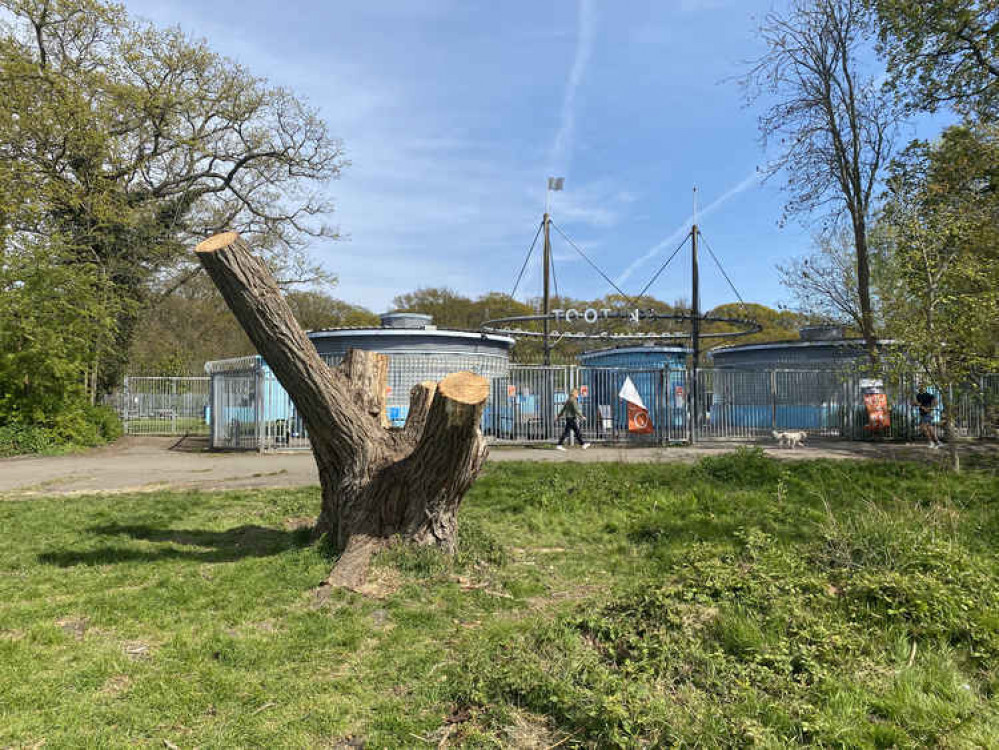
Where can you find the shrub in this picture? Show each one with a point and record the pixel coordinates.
(17, 439)
(746, 467)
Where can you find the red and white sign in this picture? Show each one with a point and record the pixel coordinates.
(511, 391)
(638, 416)
(584, 391)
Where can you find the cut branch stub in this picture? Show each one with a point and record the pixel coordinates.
(376, 482)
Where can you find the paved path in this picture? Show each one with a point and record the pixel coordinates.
(147, 464)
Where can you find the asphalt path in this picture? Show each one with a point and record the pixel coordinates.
(136, 464)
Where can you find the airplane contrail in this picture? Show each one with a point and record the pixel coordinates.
(562, 147)
(751, 180)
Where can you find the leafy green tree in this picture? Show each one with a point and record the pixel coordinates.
(317, 310)
(829, 118)
(943, 53)
(136, 141)
(776, 325)
(941, 268)
(51, 314)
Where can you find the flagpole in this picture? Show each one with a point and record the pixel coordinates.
(695, 324)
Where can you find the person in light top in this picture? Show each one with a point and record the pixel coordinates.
(573, 416)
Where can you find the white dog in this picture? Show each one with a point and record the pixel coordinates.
(790, 439)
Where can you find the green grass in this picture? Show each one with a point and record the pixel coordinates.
(731, 603)
(150, 426)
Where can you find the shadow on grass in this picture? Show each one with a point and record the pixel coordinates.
(205, 546)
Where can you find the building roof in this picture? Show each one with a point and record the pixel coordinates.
(793, 344)
(636, 350)
(373, 331)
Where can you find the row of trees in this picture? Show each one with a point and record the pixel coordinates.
(907, 247)
(193, 326)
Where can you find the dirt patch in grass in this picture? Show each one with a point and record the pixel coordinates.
(531, 732)
(136, 650)
(116, 685)
(74, 626)
(382, 583)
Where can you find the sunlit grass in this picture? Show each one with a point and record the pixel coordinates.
(732, 602)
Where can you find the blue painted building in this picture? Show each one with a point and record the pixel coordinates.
(251, 410)
(659, 375)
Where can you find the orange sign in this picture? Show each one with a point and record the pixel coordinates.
(878, 416)
(584, 391)
(511, 391)
(638, 419)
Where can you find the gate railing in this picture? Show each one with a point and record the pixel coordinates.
(750, 404)
(524, 403)
(162, 405)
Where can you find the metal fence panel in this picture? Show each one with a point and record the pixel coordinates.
(662, 391)
(252, 410)
(163, 405)
(235, 411)
(523, 404)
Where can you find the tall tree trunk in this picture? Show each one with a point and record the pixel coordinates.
(864, 289)
(376, 482)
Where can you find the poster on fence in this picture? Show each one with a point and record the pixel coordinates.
(638, 415)
(876, 403)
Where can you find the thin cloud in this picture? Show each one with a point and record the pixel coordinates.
(670, 241)
(562, 147)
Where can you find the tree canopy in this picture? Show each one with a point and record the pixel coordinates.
(943, 53)
(134, 141)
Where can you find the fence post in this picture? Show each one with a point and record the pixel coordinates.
(773, 399)
(982, 411)
(173, 408)
(126, 406)
(258, 404)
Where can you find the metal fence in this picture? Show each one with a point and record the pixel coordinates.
(750, 404)
(162, 405)
(252, 411)
(247, 409)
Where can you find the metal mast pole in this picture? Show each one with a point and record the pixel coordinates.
(547, 285)
(554, 183)
(695, 326)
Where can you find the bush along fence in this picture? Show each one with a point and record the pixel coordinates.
(241, 405)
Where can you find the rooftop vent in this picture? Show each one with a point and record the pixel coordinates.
(406, 320)
(821, 333)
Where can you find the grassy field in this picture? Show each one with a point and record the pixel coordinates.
(732, 603)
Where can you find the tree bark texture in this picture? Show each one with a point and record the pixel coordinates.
(376, 482)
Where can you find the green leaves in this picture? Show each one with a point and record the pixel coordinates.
(943, 53)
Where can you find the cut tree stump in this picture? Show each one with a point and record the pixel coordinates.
(377, 482)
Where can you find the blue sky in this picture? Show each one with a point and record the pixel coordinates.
(454, 112)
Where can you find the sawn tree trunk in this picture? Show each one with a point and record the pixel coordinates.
(376, 482)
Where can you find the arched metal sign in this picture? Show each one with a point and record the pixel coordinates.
(593, 316)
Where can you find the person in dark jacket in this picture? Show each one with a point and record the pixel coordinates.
(573, 416)
(927, 403)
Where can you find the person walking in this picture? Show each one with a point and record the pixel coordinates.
(927, 403)
(573, 416)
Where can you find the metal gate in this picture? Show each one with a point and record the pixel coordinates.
(662, 392)
(163, 405)
(523, 404)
